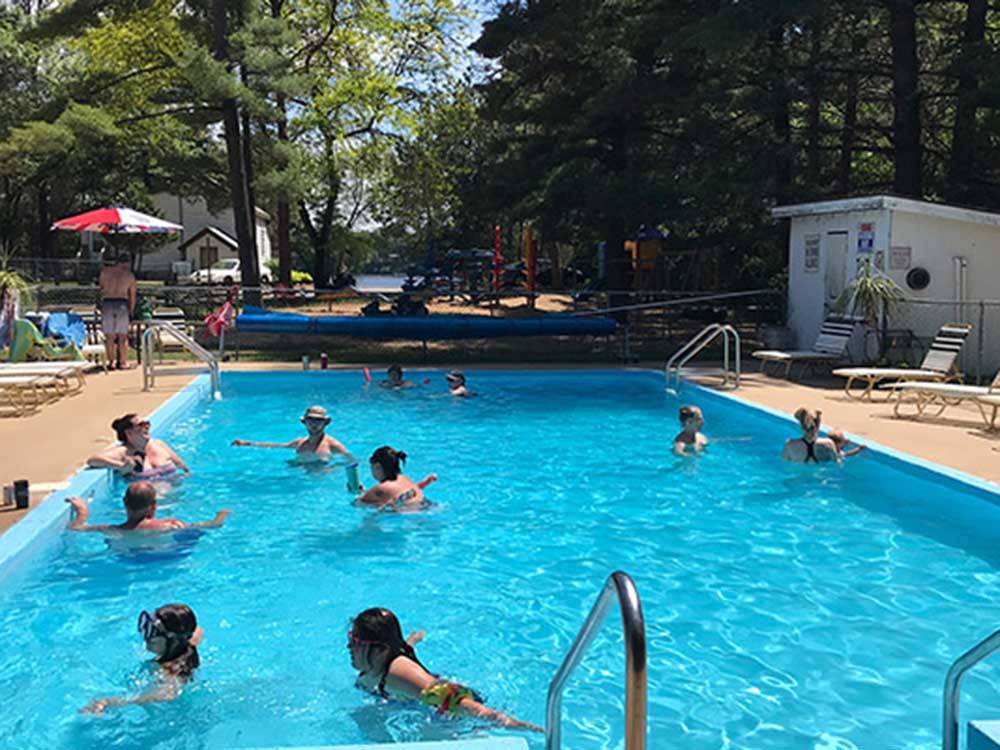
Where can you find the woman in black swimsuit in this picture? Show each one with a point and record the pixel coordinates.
(810, 448)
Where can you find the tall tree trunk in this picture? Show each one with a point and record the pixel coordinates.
(849, 135)
(780, 120)
(907, 156)
(814, 100)
(239, 187)
(284, 211)
(45, 245)
(963, 137)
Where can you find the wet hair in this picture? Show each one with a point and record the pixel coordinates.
(179, 622)
(689, 411)
(838, 437)
(389, 459)
(808, 418)
(121, 425)
(139, 496)
(381, 627)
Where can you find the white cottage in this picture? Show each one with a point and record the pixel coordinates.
(933, 251)
(215, 233)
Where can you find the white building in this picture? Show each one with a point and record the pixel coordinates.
(195, 244)
(932, 251)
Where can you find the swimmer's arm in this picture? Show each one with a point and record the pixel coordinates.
(338, 447)
(853, 451)
(112, 458)
(255, 444)
(220, 518)
(178, 461)
(167, 691)
(475, 708)
(679, 447)
(80, 515)
(415, 637)
(375, 496)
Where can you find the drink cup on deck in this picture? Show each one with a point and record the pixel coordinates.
(323, 361)
(21, 494)
(305, 361)
(8, 495)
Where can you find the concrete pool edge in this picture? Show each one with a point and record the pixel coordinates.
(21, 540)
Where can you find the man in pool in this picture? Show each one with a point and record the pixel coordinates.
(140, 507)
(317, 446)
(394, 379)
(456, 384)
(690, 435)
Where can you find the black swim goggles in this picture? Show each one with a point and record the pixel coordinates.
(150, 626)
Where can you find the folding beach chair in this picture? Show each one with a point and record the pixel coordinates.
(942, 395)
(830, 346)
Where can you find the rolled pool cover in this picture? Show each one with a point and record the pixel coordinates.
(426, 328)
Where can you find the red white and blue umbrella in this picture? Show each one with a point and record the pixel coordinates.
(116, 220)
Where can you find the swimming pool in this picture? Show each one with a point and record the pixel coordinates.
(786, 606)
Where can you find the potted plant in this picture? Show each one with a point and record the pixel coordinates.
(872, 296)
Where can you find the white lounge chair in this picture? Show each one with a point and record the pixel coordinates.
(938, 365)
(830, 346)
(69, 375)
(25, 393)
(943, 395)
(991, 402)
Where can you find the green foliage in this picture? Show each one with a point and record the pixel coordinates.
(870, 294)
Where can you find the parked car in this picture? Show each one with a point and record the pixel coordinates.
(221, 272)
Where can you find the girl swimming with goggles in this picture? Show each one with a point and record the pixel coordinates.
(388, 666)
(173, 635)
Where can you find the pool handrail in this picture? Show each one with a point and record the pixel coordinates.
(953, 686)
(698, 342)
(153, 328)
(634, 628)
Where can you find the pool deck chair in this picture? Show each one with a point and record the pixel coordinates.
(830, 347)
(25, 393)
(942, 395)
(939, 364)
(68, 376)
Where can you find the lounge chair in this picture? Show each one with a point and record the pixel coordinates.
(943, 395)
(938, 365)
(830, 346)
(68, 376)
(26, 393)
(994, 403)
(26, 343)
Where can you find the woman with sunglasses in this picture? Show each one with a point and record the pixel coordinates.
(388, 666)
(173, 635)
(316, 446)
(137, 455)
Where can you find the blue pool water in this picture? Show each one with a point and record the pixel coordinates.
(786, 606)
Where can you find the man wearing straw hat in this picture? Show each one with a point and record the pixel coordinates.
(317, 446)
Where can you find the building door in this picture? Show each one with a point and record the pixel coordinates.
(207, 255)
(836, 266)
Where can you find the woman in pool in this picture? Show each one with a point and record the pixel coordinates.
(394, 379)
(388, 666)
(138, 456)
(317, 446)
(172, 633)
(810, 448)
(394, 489)
(140, 510)
(456, 384)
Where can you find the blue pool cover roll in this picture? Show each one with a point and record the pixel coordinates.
(427, 328)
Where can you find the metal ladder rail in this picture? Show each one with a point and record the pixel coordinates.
(953, 686)
(149, 366)
(620, 585)
(698, 342)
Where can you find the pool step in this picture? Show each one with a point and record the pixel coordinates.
(487, 743)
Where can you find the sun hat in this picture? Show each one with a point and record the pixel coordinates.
(316, 412)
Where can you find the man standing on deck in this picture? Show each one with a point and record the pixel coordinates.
(118, 292)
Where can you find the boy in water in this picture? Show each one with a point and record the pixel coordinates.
(840, 440)
(140, 507)
(690, 435)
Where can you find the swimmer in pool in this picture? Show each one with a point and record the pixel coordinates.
(173, 635)
(140, 509)
(394, 378)
(456, 384)
(840, 440)
(318, 446)
(690, 435)
(810, 448)
(138, 456)
(393, 489)
(388, 667)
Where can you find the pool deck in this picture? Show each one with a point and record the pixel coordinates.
(47, 447)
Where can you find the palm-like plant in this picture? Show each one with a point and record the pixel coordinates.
(11, 279)
(873, 296)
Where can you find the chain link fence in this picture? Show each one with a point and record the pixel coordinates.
(913, 324)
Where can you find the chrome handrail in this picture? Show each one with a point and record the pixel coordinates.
(953, 686)
(153, 328)
(634, 627)
(698, 342)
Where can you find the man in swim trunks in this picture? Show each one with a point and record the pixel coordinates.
(118, 293)
(318, 446)
(140, 507)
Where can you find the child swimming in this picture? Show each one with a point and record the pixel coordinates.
(388, 666)
(172, 633)
(841, 442)
(690, 435)
(810, 447)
